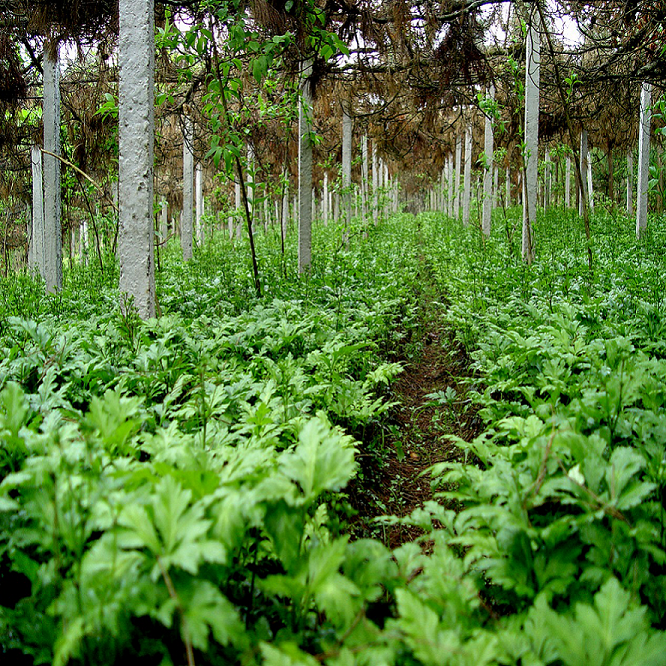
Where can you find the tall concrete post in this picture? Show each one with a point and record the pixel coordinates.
(507, 187)
(467, 176)
(324, 199)
(186, 240)
(583, 168)
(239, 211)
(37, 236)
(164, 224)
(590, 189)
(456, 201)
(630, 183)
(347, 158)
(51, 174)
(364, 173)
(199, 202)
(567, 183)
(532, 81)
(305, 170)
(285, 205)
(546, 181)
(249, 184)
(375, 185)
(136, 60)
(643, 158)
(488, 169)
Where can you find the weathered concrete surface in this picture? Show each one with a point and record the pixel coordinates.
(199, 203)
(37, 234)
(51, 175)
(346, 158)
(532, 81)
(467, 176)
(186, 222)
(456, 200)
(305, 171)
(630, 183)
(567, 183)
(488, 169)
(136, 48)
(643, 158)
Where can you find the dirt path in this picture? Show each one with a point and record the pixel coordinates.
(433, 403)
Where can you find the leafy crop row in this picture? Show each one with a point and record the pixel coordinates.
(173, 490)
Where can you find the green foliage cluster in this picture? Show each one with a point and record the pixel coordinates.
(174, 490)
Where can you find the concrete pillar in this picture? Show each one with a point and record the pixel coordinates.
(488, 170)
(188, 187)
(456, 187)
(249, 180)
(495, 186)
(546, 181)
(643, 158)
(590, 189)
(532, 76)
(164, 224)
(630, 184)
(136, 237)
(324, 199)
(346, 158)
(136, 49)
(51, 174)
(305, 170)
(37, 235)
(240, 214)
(583, 167)
(364, 173)
(567, 183)
(375, 185)
(507, 187)
(199, 203)
(467, 176)
(285, 205)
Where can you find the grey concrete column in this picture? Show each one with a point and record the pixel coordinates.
(249, 181)
(305, 170)
(346, 158)
(630, 184)
(164, 220)
(488, 148)
(51, 174)
(643, 158)
(590, 189)
(450, 195)
(37, 236)
(567, 183)
(583, 168)
(495, 186)
(186, 240)
(199, 203)
(507, 187)
(456, 200)
(136, 49)
(467, 176)
(375, 185)
(239, 211)
(546, 181)
(285, 205)
(364, 174)
(324, 199)
(532, 77)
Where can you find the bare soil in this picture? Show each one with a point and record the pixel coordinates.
(396, 480)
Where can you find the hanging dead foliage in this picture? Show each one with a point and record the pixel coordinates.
(12, 82)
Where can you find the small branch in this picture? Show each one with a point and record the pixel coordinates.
(83, 173)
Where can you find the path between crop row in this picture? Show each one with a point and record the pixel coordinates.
(432, 400)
